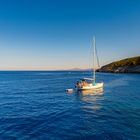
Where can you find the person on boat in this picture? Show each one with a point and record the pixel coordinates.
(84, 82)
(78, 84)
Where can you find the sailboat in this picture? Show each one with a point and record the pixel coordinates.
(90, 83)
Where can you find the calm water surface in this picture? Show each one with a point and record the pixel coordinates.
(34, 105)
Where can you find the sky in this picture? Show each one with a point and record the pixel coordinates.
(57, 34)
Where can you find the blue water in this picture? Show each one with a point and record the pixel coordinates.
(35, 106)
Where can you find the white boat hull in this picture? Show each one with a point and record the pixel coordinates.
(91, 86)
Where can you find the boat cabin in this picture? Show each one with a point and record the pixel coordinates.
(84, 82)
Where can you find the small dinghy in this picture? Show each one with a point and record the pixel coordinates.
(69, 90)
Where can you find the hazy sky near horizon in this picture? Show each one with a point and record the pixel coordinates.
(57, 34)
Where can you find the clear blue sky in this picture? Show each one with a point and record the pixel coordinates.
(56, 34)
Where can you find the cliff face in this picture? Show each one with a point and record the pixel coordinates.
(129, 65)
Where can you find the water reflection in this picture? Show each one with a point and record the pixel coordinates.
(91, 99)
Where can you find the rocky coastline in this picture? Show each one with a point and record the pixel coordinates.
(129, 65)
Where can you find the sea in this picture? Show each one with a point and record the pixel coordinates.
(34, 105)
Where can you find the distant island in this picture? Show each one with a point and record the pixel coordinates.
(128, 65)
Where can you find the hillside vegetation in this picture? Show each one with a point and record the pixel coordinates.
(125, 65)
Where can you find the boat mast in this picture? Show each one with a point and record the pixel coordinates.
(94, 45)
